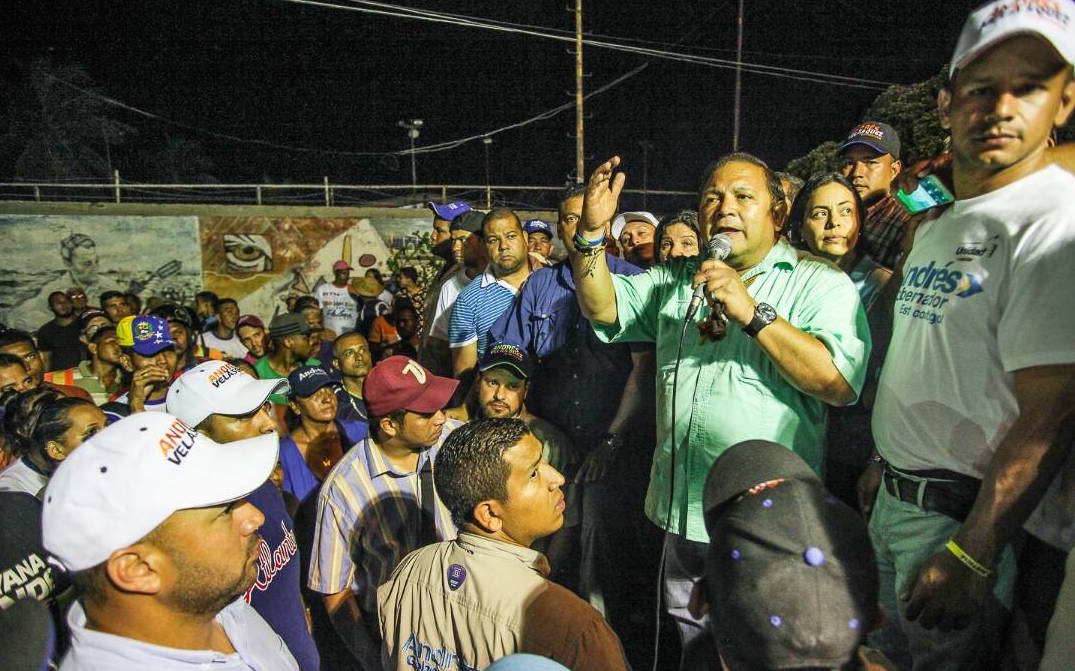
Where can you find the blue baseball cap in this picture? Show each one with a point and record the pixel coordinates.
(448, 211)
(145, 334)
(538, 226)
(305, 380)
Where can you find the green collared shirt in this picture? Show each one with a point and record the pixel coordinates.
(730, 391)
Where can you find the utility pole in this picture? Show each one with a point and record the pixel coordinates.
(486, 141)
(412, 127)
(580, 154)
(738, 79)
(646, 146)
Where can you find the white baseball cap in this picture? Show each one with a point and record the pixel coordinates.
(621, 221)
(123, 482)
(1001, 19)
(218, 388)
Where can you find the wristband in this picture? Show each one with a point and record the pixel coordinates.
(967, 560)
(588, 247)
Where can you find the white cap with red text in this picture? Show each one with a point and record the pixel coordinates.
(219, 388)
(123, 482)
(996, 21)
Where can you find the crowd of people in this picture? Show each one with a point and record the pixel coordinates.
(801, 427)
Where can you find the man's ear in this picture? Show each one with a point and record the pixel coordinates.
(698, 605)
(136, 569)
(1067, 103)
(56, 451)
(944, 108)
(487, 516)
(388, 427)
(897, 167)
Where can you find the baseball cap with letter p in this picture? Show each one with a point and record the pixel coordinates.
(124, 481)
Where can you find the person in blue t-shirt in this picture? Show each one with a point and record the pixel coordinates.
(317, 439)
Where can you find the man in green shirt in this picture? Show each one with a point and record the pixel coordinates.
(290, 335)
(796, 341)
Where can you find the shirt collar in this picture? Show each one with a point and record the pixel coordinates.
(782, 256)
(487, 278)
(378, 465)
(483, 544)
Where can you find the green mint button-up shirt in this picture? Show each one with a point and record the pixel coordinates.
(730, 391)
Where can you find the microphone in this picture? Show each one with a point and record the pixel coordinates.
(718, 248)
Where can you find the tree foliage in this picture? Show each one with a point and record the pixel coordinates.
(54, 130)
(909, 108)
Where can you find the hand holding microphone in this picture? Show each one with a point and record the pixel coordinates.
(723, 287)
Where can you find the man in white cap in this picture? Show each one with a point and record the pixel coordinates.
(149, 518)
(224, 403)
(634, 231)
(977, 390)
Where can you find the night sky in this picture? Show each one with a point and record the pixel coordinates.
(335, 79)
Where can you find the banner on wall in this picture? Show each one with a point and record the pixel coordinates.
(149, 256)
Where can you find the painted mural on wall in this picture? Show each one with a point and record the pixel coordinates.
(39, 254)
(260, 261)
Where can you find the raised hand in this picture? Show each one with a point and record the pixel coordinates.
(602, 196)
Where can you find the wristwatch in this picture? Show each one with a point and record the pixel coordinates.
(764, 314)
(612, 440)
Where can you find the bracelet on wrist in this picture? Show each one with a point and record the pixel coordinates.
(967, 560)
(588, 247)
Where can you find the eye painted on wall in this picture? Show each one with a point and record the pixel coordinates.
(247, 253)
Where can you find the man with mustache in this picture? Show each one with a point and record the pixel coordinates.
(150, 519)
(973, 414)
(870, 160)
(490, 294)
(793, 339)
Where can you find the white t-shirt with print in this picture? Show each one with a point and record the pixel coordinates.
(988, 289)
(338, 306)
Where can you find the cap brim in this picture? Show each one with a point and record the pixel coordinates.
(747, 464)
(324, 382)
(252, 396)
(515, 368)
(232, 471)
(876, 146)
(150, 349)
(435, 396)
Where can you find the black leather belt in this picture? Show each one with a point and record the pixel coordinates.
(947, 493)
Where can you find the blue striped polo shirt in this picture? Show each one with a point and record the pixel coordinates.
(479, 305)
(368, 517)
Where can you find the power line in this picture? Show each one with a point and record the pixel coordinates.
(400, 11)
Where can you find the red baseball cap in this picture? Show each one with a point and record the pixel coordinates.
(342, 265)
(401, 383)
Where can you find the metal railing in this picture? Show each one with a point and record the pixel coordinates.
(326, 193)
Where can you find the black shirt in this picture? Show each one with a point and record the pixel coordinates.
(62, 342)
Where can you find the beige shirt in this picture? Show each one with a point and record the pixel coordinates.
(463, 604)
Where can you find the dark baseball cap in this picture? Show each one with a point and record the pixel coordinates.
(468, 221)
(876, 135)
(790, 569)
(448, 211)
(305, 380)
(401, 383)
(507, 356)
(287, 324)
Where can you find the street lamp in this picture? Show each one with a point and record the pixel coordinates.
(486, 141)
(412, 127)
